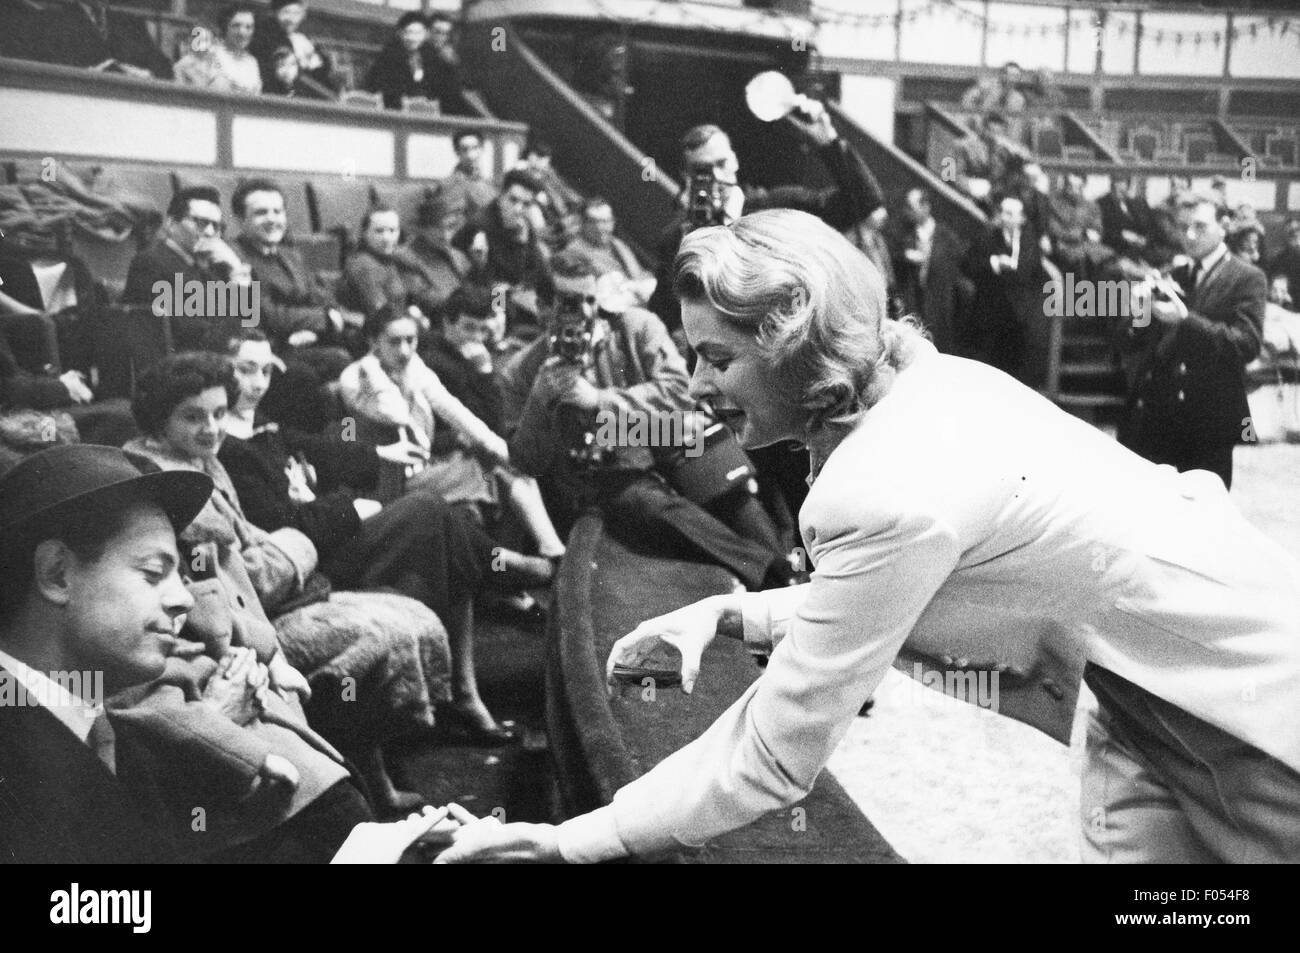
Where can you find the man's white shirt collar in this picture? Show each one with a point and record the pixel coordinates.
(76, 714)
(1212, 259)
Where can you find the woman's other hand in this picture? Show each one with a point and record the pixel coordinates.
(488, 841)
(285, 678)
(235, 688)
(669, 641)
(404, 453)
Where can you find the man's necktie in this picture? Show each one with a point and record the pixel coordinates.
(103, 742)
(1197, 271)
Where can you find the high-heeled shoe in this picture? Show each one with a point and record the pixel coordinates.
(498, 736)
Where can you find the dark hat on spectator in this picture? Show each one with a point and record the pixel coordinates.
(444, 203)
(58, 482)
(281, 4)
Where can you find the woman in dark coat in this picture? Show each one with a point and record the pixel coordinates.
(417, 544)
(409, 66)
(383, 272)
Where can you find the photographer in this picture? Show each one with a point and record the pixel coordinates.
(1187, 405)
(623, 365)
(709, 162)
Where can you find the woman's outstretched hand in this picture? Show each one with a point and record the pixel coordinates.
(670, 641)
(487, 841)
(375, 843)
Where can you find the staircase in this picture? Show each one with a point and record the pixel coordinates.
(1084, 374)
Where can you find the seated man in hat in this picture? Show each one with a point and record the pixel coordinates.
(439, 220)
(90, 602)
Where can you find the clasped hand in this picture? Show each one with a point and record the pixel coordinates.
(561, 381)
(677, 638)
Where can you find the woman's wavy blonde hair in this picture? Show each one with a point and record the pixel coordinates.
(815, 303)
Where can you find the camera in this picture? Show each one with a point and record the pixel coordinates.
(706, 198)
(572, 328)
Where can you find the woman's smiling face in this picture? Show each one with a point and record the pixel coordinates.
(197, 425)
(736, 378)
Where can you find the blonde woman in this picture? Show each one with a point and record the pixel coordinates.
(955, 514)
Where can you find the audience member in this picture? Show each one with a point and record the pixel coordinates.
(1245, 239)
(634, 371)
(458, 352)
(1188, 403)
(1008, 328)
(556, 199)
(223, 63)
(1073, 226)
(927, 261)
(84, 33)
(189, 247)
(853, 197)
(84, 781)
(597, 242)
(468, 180)
(982, 160)
(416, 545)
(409, 67)
(504, 248)
(58, 283)
(383, 272)
(298, 313)
(867, 236)
(1284, 269)
(392, 391)
(999, 94)
(391, 649)
(446, 265)
(1219, 192)
(286, 79)
(315, 73)
(1125, 217)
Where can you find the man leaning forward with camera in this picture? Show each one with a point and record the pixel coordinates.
(598, 365)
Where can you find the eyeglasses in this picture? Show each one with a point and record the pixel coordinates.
(203, 224)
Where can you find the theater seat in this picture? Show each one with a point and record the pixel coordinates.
(107, 260)
(321, 252)
(406, 197)
(338, 204)
(136, 184)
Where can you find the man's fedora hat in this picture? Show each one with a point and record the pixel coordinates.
(54, 483)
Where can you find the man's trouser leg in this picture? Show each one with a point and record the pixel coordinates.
(651, 510)
(1162, 786)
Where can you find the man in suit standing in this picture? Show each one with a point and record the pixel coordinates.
(1188, 404)
(1008, 329)
(927, 264)
(1125, 218)
(855, 195)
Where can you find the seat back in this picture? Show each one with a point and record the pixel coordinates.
(406, 197)
(362, 99)
(338, 204)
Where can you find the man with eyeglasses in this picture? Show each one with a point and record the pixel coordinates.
(189, 247)
(190, 244)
